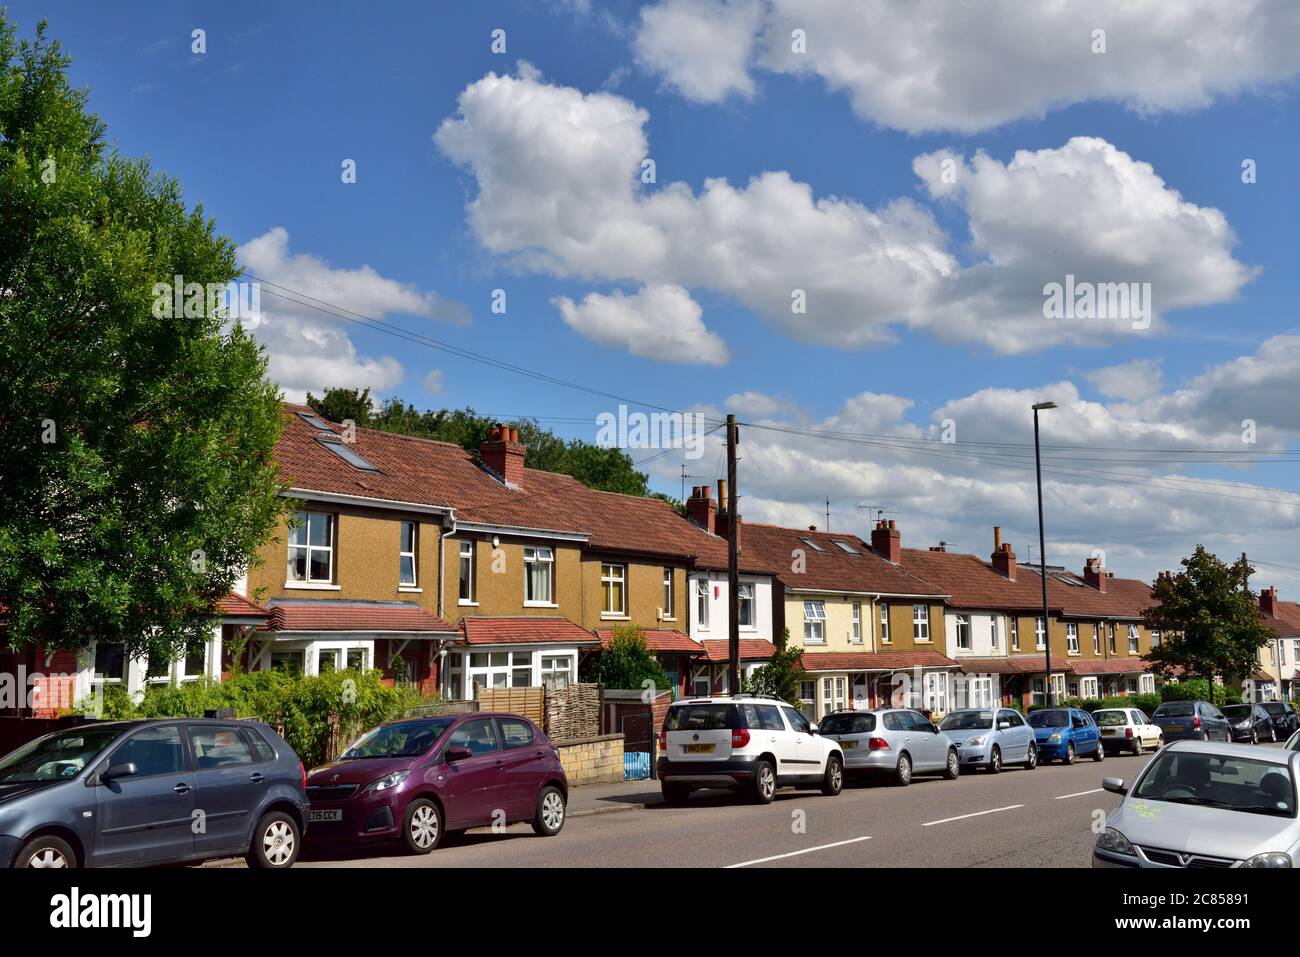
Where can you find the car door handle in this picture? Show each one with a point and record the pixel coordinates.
(182, 788)
(257, 777)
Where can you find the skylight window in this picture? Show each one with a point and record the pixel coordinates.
(844, 546)
(811, 544)
(349, 456)
(315, 422)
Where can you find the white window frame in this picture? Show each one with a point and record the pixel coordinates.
(1088, 688)
(1072, 638)
(515, 660)
(1015, 633)
(466, 555)
(305, 546)
(1133, 646)
(669, 594)
(808, 698)
(884, 625)
(611, 574)
(1096, 638)
(1155, 638)
(539, 558)
(814, 622)
(413, 554)
(855, 628)
(702, 600)
(834, 693)
(995, 637)
(961, 625)
(921, 623)
(551, 670)
(746, 609)
(1040, 633)
(936, 691)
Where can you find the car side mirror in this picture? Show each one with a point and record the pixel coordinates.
(813, 729)
(1114, 786)
(119, 771)
(452, 755)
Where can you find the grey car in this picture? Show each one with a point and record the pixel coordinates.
(991, 738)
(122, 793)
(1191, 720)
(1205, 804)
(893, 742)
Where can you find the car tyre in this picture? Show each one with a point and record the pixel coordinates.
(276, 842)
(422, 829)
(995, 760)
(674, 794)
(1099, 755)
(549, 819)
(1272, 734)
(1137, 746)
(833, 779)
(1069, 753)
(1254, 736)
(1031, 758)
(46, 851)
(952, 770)
(764, 789)
(903, 771)
(1160, 742)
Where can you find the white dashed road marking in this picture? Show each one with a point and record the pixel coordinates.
(806, 850)
(1079, 794)
(962, 817)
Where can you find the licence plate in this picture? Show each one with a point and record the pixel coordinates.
(848, 745)
(1109, 731)
(1174, 727)
(317, 816)
(698, 748)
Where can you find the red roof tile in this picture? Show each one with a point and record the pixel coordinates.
(1123, 597)
(831, 568)
(1285, 622)
(751, 649)
(972, 583)
(1012, 665)
(874, 660)
(1109, 666)
(333, 615)
(660, 639)
(524, 630)
(237, 606)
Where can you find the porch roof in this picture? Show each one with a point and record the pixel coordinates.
(818, 661)
(1012, 665)
(524, 630)
(236, 609)
(1110, 666)
(664, 640)
(305, 615)
(751, 649)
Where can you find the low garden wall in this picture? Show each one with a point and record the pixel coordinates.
(594, 760)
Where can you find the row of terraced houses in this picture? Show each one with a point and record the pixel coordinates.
(456, 571)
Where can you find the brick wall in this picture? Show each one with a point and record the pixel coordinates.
(595, 760)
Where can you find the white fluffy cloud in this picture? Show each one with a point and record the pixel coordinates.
(934, 64)
(558, 190)
(307, 349)
(1130, 381)
(656, 322)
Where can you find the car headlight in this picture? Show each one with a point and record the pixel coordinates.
(1055, 738)
(1270, 859)
(386, 783)
(1115, 842)
(976, 742)
(1243, 725)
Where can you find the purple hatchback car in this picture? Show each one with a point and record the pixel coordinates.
(418, 779)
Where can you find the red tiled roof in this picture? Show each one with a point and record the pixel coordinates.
(1285, 621)
(751, 649)
(237, 606)
(874, 660)
(831, 568)
(1260, 675)
(1109, 666)
(524, 630)
(1012, 665)
(972, 583)
(333, 615)
(1123, 597)
(660, 639)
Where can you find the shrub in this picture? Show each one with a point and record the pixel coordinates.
(1195, 689)
(627, 663)
(780, 677)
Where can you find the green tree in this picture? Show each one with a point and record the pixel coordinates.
(627, 662)
(136, 440)
(1209, 620)
(781, 675)
(338, 405)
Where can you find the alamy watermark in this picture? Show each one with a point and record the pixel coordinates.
(1093, 300)
(652, 430)
(213, 300)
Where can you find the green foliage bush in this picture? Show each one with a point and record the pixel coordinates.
(1195, 690)
(781, 675)
(627, 663)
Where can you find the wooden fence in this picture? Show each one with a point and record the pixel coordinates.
(529, 702)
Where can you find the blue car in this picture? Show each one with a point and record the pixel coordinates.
(1066, 733)
(178, 790)
(991, 738)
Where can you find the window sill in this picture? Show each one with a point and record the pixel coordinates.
(312, 586)
(410, 589)
(606, 616)
(671, 618)
(539, 604)
(466, 604)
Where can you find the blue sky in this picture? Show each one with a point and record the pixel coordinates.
(256, 129)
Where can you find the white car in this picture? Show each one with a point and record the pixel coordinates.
(744, 743)
(1127, 729)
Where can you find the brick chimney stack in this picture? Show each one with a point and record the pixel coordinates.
(504, 455)
(1004, 559)
(725, 521)
(1094, 574)
(1268, 601)
(701, 509)
(887, 541)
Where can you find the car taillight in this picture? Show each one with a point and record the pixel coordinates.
(1196, 722)
(739, 737)
(1128, 732)
(303, 769)
(663, 740)
(877, 744)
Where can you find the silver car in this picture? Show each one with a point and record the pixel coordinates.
(1203, 804)
(896, 742)
(991, 737)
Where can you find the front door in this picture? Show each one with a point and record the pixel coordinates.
(475, 786)
(229, 788)
(146, 816)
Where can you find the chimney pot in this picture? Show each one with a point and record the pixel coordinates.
(701, 509)
(1004, 560)
(997, 538)
(1094, 574)
(722, 494)
(503, 454)
(886, 540)
(1268, 601)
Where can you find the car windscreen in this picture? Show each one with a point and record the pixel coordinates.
(1238, 712)
(1049, 719)
(1229, 782)
(967, 721)
(848, 724)
(404, 739)
(698, 717)
(1110, 719)
(1175, 709)
(56, 756)
(1274, 707)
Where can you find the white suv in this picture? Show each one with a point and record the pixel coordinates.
(744, 743)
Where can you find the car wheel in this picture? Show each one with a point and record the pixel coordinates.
(764, 783)
(275, 842)
(952, 770)
(1100, 753)
(46, 851)
(1069, 753)
(833, 779)
(422, 826)
(550, 812)
(1254, 736)
(995, 760)
(1137, 746)
(1272, 734)
(1160, 742)
(1031, 758)
(903, 773)
(674, 793)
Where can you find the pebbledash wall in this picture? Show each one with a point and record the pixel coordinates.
(595, 760)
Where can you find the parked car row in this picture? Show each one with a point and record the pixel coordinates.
(186, 790)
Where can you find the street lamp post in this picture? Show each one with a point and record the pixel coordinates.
(1042, 557)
